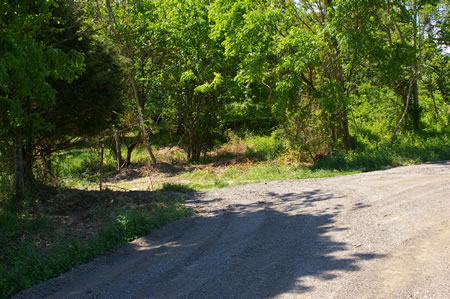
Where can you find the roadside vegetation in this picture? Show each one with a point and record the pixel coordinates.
(74, 227)
(189, 95)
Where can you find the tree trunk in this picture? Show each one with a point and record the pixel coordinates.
(436, 111)
(19, 176)
(348, 143)
(411, 84)
(415, 103)
(28, 176)
(129, 152)
(417, 60)
(118, 149)
(141, 119)
(416, 109)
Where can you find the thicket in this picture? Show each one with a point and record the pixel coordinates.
(321, 77)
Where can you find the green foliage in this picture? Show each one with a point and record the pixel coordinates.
(408, 149)
(13, 225)
(27, 65)
(264, 147)
(82, 165)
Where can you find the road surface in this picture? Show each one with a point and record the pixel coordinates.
(383, 234)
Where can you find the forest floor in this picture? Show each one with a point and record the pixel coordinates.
(377, 234)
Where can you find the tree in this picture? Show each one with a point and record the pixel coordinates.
(125, 23)
(195, 71)
(96, 95)
(415, 38)
(26, 66)
(311, 54)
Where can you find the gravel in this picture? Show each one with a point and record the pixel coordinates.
(383, 234)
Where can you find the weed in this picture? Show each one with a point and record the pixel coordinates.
(13, 225)
(220, 183)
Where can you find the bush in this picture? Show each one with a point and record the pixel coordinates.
(264, 147)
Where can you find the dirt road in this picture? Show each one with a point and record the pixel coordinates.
(384, 234)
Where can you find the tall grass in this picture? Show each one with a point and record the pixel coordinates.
(407, 149)
(264, 147)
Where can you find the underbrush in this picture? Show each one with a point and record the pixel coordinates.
(407, 149)
(28, 256)
(264, 147)
(81, 167)
(254, 159)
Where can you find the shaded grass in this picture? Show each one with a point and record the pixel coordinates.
(175, 187)
(81, 167)
(26, 260)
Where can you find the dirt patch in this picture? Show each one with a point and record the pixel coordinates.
(73, 212)
(125, 174)
(150, 176)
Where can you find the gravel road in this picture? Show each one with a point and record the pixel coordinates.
(383, 234)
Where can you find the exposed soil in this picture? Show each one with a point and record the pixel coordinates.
(73, 212)
(168, 169)
(383, 234)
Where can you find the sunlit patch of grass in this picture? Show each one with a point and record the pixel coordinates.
(263, 147)
(198, 174)
(140, 155)
(253, 173)
(80, 168)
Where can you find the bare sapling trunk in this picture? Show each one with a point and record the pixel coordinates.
(416, 109)
(411, 85)
(118, 149)
(19, 170)
(101, 166)
(141, 120)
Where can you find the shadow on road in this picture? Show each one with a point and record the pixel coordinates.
(255, 250)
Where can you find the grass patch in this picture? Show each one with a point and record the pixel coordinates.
(263, 147)
(175, 187)
(81, 167)
(28, 259)
(409, 149)
(253, 173)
